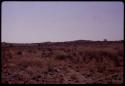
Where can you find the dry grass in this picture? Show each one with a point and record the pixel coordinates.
(34, 62)
(78, 63)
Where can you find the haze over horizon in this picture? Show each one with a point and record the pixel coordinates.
(34, 22)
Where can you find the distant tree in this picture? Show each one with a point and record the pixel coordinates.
(122, 40)
(105, 40)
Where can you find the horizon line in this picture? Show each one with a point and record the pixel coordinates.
(65, 41)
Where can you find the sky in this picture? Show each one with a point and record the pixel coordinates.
(33, 22)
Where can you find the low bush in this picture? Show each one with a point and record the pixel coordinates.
(62, 55)
(19, 53)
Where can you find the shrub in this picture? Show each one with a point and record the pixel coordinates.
(62, 55)
(9, 55)
(49, 49)
(39, 48)
(74, 54)
(19, 53)
(120, 52)
(50, 64)
(29, 50)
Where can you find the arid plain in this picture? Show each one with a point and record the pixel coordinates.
(73, 62)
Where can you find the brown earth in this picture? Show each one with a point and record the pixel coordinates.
(77, 62)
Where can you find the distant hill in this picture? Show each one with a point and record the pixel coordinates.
(58, 43)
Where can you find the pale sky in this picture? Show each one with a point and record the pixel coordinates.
(31, 22)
